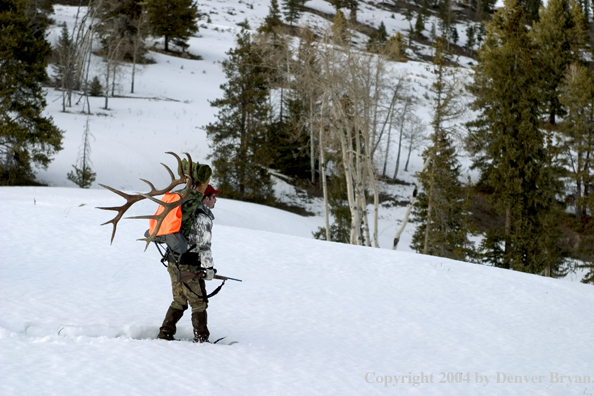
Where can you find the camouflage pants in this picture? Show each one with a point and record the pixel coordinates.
(182, 295)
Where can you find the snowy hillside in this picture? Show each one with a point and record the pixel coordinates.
(80, 317)
(171, 105)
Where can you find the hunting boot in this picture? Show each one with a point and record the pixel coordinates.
(168, 328)
(201, 332)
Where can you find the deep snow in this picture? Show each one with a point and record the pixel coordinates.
(78, 316)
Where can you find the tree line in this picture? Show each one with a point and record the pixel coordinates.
(323, 110)
(328, 106)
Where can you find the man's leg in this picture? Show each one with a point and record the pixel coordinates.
(199, 305)
(176, 309)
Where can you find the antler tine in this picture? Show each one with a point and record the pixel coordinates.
(180, 168)
(169, 170)
(149, 183)
(132, 199)
(167, 208)
(190, 167)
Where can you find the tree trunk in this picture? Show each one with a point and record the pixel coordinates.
(106, 87)
(311, 143)
(388, 145)
(408, 157)
(405, 110)
(508, 226)
(323, 174)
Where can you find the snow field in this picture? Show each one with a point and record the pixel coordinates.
(80, 316)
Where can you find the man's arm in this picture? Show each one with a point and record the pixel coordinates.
(201, 236)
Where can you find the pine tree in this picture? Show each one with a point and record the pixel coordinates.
(509, 147)
(531, 8)
(175, 20)
(95, 88)
(273, 20)
(64, 73)
(293, 10)
(338, 4)
(470, 38)
(83, 176)
(353, 7)
(556, 37)
(419, 25)
(239, 137)
(378, 39)
(446, 20)
(340, 229)
(27, 137)
(577, 129)
(439, 208)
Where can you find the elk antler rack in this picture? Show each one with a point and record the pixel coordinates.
(131, 199)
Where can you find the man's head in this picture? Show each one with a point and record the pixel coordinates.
(210, 196)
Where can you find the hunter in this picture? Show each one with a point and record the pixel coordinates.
(189, 270)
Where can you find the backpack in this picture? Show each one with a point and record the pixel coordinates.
(177, 224)
(172, 222)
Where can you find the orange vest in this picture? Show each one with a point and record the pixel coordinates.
(172, 222)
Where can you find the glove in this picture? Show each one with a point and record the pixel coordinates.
(209, 273)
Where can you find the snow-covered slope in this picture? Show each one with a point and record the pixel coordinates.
(78, 316)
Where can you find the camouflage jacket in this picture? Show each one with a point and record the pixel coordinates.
(189, 210)
(200, 236)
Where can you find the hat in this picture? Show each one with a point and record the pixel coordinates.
(210, 190)
(200, 172)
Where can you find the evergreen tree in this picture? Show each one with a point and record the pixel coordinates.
(293, 10)
(509, 146)
(419, 25)
(338, 4)
(95, 88)
(38, 14)
(273, 20)
(353, 7)
(27, 137)
(173, 19)
(531, 8)
(446, 20)
(64, 72)
(83, 176)
(470, 38)
(577, 129)
(378, 39)
(340, 229)
(556, 38)
(439, 210)
(240, 153)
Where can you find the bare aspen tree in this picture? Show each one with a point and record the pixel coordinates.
(414, 136)
(142, 26)
(355, 84)
(404, 117)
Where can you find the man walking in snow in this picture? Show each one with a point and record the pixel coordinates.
(189, 271)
